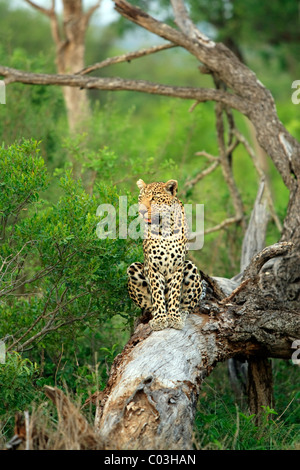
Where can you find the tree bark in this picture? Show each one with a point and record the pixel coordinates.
(252, 377)
(260, 386)
(151, 396)
(70, 52)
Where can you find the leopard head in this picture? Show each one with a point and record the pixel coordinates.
(156, 199)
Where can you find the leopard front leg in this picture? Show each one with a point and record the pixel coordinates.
(138, 288)
(175, 315)
(193, 288)
(157, 287)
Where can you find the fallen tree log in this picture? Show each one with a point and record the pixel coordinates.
(151, 396)
(150, 399)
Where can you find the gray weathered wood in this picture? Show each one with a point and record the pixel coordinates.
(253, 242)
(255, 236)
(151, 396)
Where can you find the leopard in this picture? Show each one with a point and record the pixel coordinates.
(167, 285)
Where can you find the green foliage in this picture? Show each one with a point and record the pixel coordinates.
(32, 112)
(17, 376)
(14, 34)
(262, 29)
(23, 176)
(222, 424)
(58, 272)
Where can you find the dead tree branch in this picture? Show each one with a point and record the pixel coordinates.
(242, 139)
(190, 183)
(50, 12)
(255, 236)
(246, 375)
(45, 11)
(207, 171)
(225, 160)
(114, 84)
(125, 58)
(225, 223)
(258, 103)
(278, 249)
(89, 13)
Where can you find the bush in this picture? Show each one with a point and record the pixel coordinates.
(60, 284)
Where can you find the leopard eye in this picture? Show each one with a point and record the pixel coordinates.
(150, 196)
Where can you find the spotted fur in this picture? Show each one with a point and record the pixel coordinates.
(166, 285)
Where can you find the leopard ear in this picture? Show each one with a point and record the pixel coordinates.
(171, 187)
(141, 184)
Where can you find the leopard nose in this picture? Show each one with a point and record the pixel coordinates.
(142, 211)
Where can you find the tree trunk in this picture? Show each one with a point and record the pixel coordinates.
(151, 396)
(260, 386)
(70, 52)
(152, 391)
(252, 377)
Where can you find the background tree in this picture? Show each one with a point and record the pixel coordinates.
(69, 39)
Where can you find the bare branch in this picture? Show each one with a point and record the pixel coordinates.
(224, 224)
(278, 249)
(55, 29)
(216, 162)
(197, 44)
(190, 183)
(45, 11)
(280, 145)
(105, 83)
(186, 25)
(53, 19)
(125, 58)
(236, 291)
(207, 155)
(254, 239)
(138, 16)
(91, 11)
(242, 139)
(227, 167)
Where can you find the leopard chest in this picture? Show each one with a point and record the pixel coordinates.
(164, 255)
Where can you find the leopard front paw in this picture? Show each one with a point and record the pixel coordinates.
(177, 322)
(159, 323)
(184, 314)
